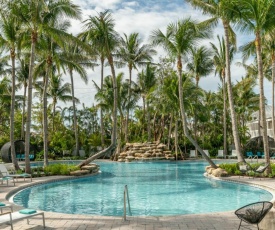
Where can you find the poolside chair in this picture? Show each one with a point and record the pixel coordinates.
(249, 155)
(233, 154)
(260, 154)
(9, 217)
(6, 173)
(6, 178)
(220, 153)
(192, 154)
(253, 213)
(4, 206)
(207, 153)
(244, 168)
(261, 169)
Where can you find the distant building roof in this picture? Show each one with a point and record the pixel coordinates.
(268, 112)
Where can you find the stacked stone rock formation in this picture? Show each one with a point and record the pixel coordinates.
(145, 151)
(87, 169)
(218, 172)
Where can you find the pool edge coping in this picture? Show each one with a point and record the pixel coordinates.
(232, 180)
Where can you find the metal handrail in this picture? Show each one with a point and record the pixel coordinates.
(126, 194)
(253, 157)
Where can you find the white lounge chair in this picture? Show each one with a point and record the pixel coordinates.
(6, 178)
(6, 173)
(220, 153)
(10, 217)
(4, 206)
(192, 154)
(233, 155)
(207, 153)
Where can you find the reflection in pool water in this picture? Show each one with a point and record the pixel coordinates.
(155, 188)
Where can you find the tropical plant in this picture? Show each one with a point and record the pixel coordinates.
(10, 27)
(36, 18)
(226, 11)
(219, 60)
(199, 65)
(133, 54)
(258, 17)
(103, 33)
(146, 80)
(177, 41)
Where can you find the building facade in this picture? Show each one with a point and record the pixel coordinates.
(254, 126)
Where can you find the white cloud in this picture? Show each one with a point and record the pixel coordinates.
(97, 4)
(132, 16)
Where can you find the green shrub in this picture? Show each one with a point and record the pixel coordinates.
(60, 169)
(232, 169)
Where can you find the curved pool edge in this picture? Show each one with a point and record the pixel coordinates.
(196, 221)
(44, 180)
(258, 183)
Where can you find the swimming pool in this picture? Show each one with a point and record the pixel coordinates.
(155, 189)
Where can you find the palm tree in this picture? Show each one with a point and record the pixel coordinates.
(10, 27)
(59, 92)
(177, 41)
(5, 99)
(132, 53)
(52, 59)
(103, 33)
(219, 60)
(246, 102)
(146, 81)
(269, 48)
(258, 17)
(76, 61)
(94, 35)
(199, 65)
(36, 17)
(22, 78)
(226, 11)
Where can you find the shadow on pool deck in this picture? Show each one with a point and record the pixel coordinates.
(209, 221)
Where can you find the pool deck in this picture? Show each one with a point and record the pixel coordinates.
(211, 221)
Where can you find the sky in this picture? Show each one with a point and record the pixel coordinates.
(144, 16)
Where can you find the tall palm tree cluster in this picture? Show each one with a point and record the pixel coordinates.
(163, 102)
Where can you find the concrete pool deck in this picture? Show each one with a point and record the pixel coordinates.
(209, 221)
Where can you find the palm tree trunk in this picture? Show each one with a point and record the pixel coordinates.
(230, 95)
(23, 111)
(144, 114)
(114, 133)
(112, 146)
(273, 82)
(148, 121)
(54, 109)
(262, 98)
(74, 115)
(183, 115)
(176, 139)
(195, 115)
(13, 154)
(170, 131)
(45, 116)
(224, 117)
(29, 104)
(129, 98)
(101, 112)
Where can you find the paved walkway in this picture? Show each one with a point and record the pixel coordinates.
(213, 221)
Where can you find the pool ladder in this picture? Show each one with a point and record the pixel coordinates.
(126, 195)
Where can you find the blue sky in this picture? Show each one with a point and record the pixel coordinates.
(144, 16)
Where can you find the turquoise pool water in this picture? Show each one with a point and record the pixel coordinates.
(155, 189)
